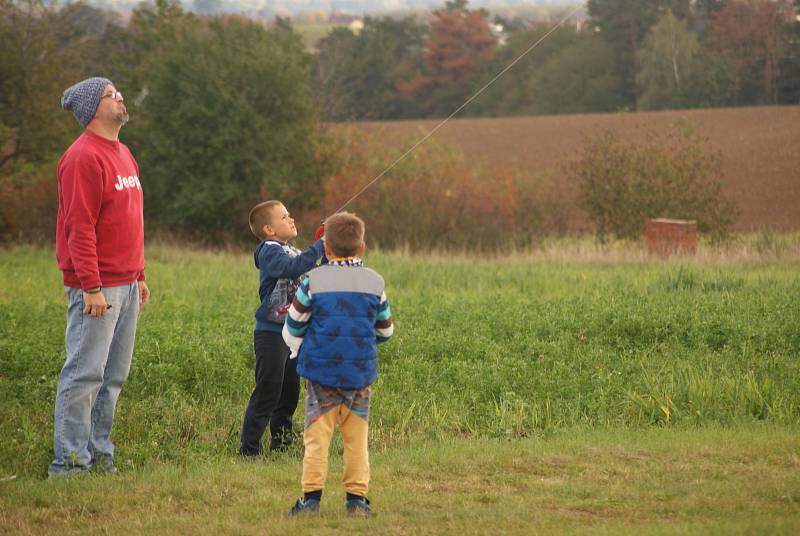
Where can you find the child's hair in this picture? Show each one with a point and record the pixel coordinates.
(261, 215)
(344, 233)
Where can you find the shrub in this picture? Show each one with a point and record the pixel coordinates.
(670, 174)
(436, 199)
(28, 203)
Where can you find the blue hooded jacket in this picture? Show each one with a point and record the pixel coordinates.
(281, 268)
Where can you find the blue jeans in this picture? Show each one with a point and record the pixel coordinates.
(99, 352)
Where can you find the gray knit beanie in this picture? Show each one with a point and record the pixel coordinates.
(83, 98)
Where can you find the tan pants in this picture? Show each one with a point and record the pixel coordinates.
(317, 440)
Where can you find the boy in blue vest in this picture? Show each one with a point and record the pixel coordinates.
(280, 266)
(338, 316)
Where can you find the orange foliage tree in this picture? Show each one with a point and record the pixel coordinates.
(436, 199)
(750, 34)
(454, 56)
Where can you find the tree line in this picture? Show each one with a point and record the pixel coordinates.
(227, 111)
(660, 54)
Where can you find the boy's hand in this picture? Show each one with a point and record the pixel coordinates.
(320, 232)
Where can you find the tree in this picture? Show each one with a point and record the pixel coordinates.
(713, 82)
(703, 11)
(570, 72)
(454, 56)
(385, 50)
(750, 35)
(227, 120)
(578, 79)
(624, 25)
(41, 54)
(43, 50)
(355, 76)
(666, 62)
(333, 76)
(514, 92)
(153, 31)
(207, 7)
(789, 80)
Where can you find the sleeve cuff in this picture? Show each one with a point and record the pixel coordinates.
(90, 284)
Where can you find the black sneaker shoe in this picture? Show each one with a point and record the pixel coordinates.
(309, 506)
(358, 507)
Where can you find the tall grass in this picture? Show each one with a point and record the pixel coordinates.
(504, 347)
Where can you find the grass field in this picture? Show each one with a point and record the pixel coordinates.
(571, 389)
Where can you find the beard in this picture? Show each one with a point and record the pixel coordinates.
(121, 117)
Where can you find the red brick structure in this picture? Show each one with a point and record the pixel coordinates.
(666, 237)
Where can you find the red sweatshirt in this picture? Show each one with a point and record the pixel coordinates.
(100, 226)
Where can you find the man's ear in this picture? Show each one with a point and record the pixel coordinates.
(267, 230)
(361, 249)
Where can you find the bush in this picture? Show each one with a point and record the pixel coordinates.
(28, 203)
(436, 199)
(671, 174)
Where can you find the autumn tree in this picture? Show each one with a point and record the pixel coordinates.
(702, 12)
(454, 59)
(750, 35)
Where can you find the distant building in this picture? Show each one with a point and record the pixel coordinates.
(341, 18)
(498, 31)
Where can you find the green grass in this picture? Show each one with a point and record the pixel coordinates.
(493, 358)
(741, 480)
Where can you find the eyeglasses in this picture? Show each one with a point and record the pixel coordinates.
(115, 95)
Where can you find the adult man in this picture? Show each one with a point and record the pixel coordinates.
(100, 250)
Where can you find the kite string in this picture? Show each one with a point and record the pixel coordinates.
(473, 97)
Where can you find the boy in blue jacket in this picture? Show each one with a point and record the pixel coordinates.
(281, 268)
(338, 316)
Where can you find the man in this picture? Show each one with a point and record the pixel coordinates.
(100, 250)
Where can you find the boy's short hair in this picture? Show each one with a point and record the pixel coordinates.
(344, 233)
(261, 215)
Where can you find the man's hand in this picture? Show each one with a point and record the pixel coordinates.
(94, 304)
(144, 294)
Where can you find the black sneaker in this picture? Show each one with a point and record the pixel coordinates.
(358, 507)
(309, 506)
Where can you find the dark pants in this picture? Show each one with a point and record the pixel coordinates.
(274, 398)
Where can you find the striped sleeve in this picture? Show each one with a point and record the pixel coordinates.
(298, 318)
(383, 321)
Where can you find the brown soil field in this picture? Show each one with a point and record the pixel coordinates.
(760, 147)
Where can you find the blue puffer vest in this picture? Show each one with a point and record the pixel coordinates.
(340, 348)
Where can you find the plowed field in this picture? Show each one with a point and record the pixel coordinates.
(760, 148)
